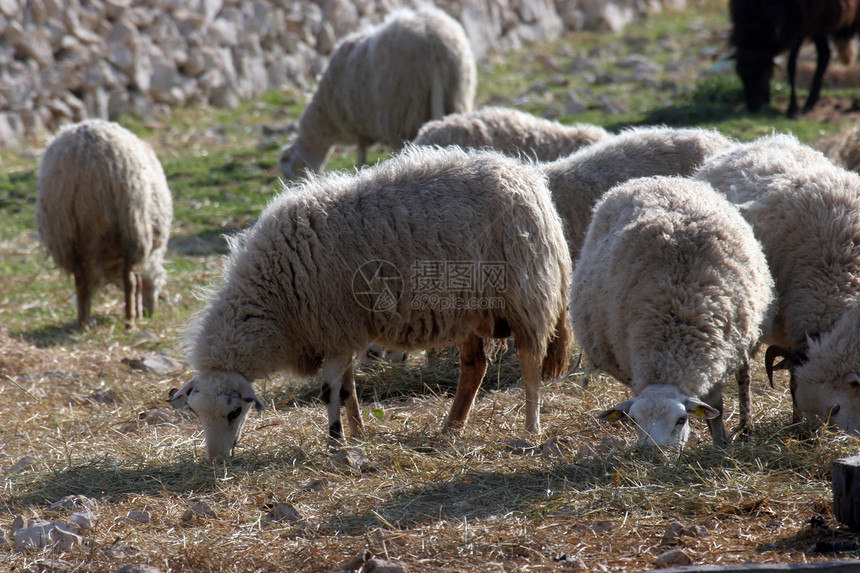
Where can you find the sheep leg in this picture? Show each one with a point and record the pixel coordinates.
(714, 398)
(128, 281)
(473, 366)
(84, 296)
(350, 400)
(530, 366)
(744, 400)
(338, 386)
(822, 48)
(792, 70)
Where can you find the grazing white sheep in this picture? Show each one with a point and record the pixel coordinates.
(382, 85)
(579, 180)
(513, 132)
(806, 212)
(103, 212)
(670, 296)
(432, 247)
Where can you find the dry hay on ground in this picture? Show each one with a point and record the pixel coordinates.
(484, 501)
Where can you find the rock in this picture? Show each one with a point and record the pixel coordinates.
(139, 516)
(315, 484)
(283, 512)
(82, 519)
(570, 561)
(157, 363)
(40, 533)
(673, 558)
(73, 503)
(105, 396)
(383, 566)
(138, 568)
(21, 465)
(354, 458)
(198, 509)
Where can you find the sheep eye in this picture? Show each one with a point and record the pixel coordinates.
(234, 414)
(681, 421)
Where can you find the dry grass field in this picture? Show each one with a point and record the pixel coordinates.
(80, 417)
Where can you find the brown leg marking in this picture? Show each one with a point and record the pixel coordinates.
(473, 366)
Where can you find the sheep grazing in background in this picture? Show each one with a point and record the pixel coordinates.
(103, 212)
(805, 211)
(670, 296)
(514, 133)
(843, 148)
(432, 247)
(383, 85)
(577, 182)
(761, 29)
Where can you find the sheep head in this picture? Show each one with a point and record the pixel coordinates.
(826, 386)
(755, 69)
(221, 401)
(302, 157)
(661, 416)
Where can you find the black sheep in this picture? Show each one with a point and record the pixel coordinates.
(761, 29)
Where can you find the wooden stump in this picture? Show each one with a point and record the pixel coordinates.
(846, 491)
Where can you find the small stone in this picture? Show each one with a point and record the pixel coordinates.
(673, 533)
(284, 512)
(138, 568)
(73, 503)
(198, 509)
(384, 566)
(82, 519)
(139, 516)
(354, 458)
(64, 538)
(21, 465)
(673, 558)
(570, 561)
(157, 363)
(521, 447)
(314, 484)
(558, 446)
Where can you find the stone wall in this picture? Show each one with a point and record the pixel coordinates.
(62, 61)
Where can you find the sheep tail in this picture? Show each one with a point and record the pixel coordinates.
(557, 357)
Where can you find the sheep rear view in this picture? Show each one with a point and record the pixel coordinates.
(513, 132)
(669, 297)
(806, 212)
(382, 85)
(432, 247)
(103, 212)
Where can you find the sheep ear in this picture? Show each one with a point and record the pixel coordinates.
(700, 409)
(248, 394)
(617, 413)
(179, 398)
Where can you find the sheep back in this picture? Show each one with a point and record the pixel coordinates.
(806, 213)
(579, 180)
(305, 282)
(671, 288)
(513, 132)
(103, 200)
